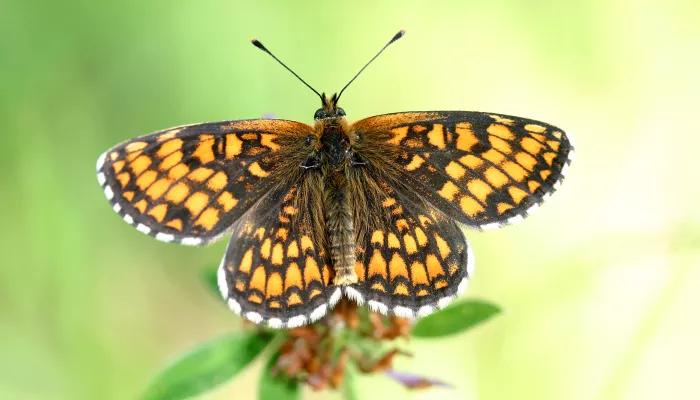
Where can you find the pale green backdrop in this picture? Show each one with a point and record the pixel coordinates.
(600, 287)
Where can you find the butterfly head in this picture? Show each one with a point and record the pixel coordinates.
(329, 109)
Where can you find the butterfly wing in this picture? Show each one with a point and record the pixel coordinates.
(189, 184)
(275, 271)
(484, 170)
(412, 259)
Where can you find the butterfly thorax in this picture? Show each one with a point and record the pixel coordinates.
(334, 142)
(332, 130)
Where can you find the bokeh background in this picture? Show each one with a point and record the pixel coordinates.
(600, 287)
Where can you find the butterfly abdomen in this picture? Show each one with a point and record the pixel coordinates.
(339, 227)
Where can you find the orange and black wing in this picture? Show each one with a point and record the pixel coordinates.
(190, 184)
(275, 271)
(483, 170)
(412, 259)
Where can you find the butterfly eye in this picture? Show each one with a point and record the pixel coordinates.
(341, 112)
(319, 114)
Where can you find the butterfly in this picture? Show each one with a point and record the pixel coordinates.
(373, 210)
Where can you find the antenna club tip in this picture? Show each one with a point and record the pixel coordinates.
(257, 43)
(398, 35)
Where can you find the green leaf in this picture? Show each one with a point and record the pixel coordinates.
(211, 281)
(275, 386)
(206, 366)
(455, 318)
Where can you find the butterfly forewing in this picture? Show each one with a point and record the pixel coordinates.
(484, 170)
(190, 184)
(274, 271)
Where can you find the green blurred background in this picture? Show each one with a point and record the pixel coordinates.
(600, 287)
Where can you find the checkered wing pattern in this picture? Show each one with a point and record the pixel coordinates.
(412, 259)
(483, 170)
(190, 184)
(275, 271)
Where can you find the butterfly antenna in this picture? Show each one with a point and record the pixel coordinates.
(395, 38)
(259, 45)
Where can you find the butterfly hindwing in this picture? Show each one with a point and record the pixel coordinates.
(484, 170)
(413, 259)
(190, 184)
(274, 270)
